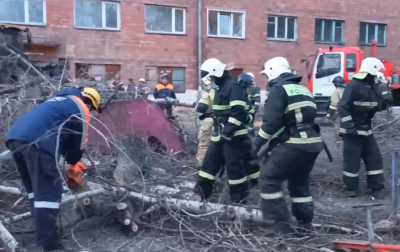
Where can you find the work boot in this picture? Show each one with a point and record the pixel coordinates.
(203, 189)
(282, 228)
(378, 194)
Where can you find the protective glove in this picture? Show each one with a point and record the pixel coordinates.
(76, 176)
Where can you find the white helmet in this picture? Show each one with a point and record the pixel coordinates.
(371, 66)
(274, 67)
(212, 68)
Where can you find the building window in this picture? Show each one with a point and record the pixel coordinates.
(164, 19)
(97, 72)
(32, 12)
(329, 31)
(96, 14)
(282, 28)
(370, 32)
(226, 24)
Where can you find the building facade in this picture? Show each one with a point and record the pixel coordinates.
(143, 38)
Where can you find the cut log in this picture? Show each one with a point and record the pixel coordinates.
(10, 190)
(7, 239)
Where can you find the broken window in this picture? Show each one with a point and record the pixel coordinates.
(226, 24)
(97, 72)
(329, 31)
(371, 32)
(97, 14)
(23, 11)
(164, 19)
(282, 28)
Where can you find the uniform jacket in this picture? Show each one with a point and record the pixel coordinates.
(289, 114)
(63, 118)
(361, 100)
(230, 106)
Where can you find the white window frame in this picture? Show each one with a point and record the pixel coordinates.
(376, 27)
(172, 21)
(103, 17)
(26, 16)
(275, 38)
(334, 22)
(231, 28)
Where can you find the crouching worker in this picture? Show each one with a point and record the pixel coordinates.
(57, 126)
(294, 144)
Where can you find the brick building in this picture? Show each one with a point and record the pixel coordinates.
(140, 38)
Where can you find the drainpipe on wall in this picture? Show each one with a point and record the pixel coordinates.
(199, 44)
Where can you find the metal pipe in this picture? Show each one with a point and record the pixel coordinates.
(199, 51)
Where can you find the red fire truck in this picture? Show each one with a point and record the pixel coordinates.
(342, 61)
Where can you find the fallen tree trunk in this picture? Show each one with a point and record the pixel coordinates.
(188, 207)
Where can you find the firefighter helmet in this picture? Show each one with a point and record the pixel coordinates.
(93, 95)
(370, 65)
(212, 68)
(274, 67)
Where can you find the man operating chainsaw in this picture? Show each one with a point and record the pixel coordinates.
(58, 126)
(293, 139)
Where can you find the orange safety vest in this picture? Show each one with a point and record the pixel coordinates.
(86, 117)
(160, 86)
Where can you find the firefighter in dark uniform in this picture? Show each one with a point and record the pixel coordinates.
(361, 100)
(56, 127)
(254, 100)
(293, 141)
(230, 135)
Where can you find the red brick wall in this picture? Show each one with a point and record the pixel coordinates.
(134, 49)
(252, 52)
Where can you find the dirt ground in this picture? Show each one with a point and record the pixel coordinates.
(170, 230)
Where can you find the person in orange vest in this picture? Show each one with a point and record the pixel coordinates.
(58, 126)
(164, 93)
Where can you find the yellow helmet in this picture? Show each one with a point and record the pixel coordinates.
(93, 95)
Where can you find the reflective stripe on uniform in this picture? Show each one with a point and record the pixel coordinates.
(375, 172)
(299, 105)
(308, 199)
(206, 175)
(303, 134)
(270, 196)
(310, 140)
(215, 138)
(349, 174)
(234, 121)
(299, 115)
(346, 118)
(31, 195)
(364, 132)
(365, 104)
(385, 92)
(255, 175)
(237, 181)
(220, 107)
(241, 132)
(46, 204)
(238, 103)
(86, 117)
(332, 107)
(296, 89)
(252, 111)
(263, 134)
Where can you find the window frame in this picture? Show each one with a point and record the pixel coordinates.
(231, 28)
(364, 41)
(275, 38)
(323, 25)
(103, 17)
(173, 21)
(26, 16)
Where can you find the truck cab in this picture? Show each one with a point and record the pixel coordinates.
(330, 63)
